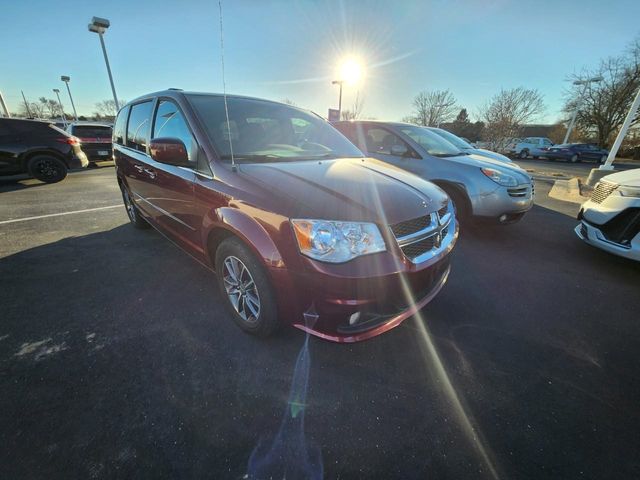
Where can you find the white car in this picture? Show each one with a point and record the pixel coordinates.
(610, 220)
(529, 147)
(466, 147)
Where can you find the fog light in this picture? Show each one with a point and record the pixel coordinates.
(353, 319)
(503, 218)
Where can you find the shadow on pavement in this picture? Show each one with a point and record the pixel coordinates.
(118, 360)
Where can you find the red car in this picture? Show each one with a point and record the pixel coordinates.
(299, 227)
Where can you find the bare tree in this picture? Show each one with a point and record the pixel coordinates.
(433, 108)
(507, 111)
(107, 108)
(50, 107)
(605, 104)
(355, 111)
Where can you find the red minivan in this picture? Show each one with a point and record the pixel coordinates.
(300, 228)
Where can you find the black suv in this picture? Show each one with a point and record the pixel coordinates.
(38, 148)
(95, 139)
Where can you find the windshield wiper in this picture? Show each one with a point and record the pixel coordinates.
(252, 157)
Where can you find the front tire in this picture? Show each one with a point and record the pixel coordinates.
(574, 158)
(47, 168)
(603, 158)
(524, 154)
(248, 293)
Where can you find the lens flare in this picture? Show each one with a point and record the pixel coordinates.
(351, 71)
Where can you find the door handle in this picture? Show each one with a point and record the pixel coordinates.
(139, 168)
(151, 172)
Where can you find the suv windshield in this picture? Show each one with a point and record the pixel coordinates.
(260, 130)
(434, 144)
(453, 139)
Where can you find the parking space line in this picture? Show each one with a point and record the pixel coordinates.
(25, 219)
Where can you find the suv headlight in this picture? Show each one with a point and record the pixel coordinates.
(337, 242)
(500, 177)
(629, 191)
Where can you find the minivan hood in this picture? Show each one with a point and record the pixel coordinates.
(629, 178)
(355, 189)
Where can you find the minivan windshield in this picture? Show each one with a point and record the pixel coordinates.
(434, 144)
(263, 131)
(453, 139)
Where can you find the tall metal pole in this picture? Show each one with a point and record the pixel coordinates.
(622, 133)
(106, 60)
(26, 104)
(575, 113)
(3, 104)
(75, 114)
(340, 102)
(64, 119)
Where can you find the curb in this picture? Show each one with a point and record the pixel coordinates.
(567, 191)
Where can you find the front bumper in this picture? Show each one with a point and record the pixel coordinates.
(612, 225)
(513, 202)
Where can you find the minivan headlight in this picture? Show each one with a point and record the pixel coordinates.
(500, 177)
(337, 242)
(629, 191)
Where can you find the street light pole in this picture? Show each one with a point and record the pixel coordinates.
(622, 133)
(339, 82)
(66, 79)
(64, 119)
(579, 104)
(99, 26)
(3, 104)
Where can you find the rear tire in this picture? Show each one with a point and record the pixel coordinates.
(246, 288)
(603, 158)
(132, 211)
(47, 168)
(575, 158)
(524, 153)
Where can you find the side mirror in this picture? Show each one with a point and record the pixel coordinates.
(399, 150)
(171, 151)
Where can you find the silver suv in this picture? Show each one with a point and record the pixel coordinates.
(479, 186)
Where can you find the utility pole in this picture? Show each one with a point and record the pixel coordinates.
(3, 104)
(622, 133)
(26, 104)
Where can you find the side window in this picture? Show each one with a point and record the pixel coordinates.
(120, 128)
(169, 122)
(379, 140)
(546, 141)
(139, 126)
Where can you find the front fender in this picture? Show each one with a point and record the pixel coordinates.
(248, 229)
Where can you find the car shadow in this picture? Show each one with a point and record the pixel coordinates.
(118, 358)
(18, 182)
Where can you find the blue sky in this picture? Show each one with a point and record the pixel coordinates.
(292, 49)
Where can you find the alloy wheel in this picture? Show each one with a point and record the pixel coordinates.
(241, 289)
(129, 205)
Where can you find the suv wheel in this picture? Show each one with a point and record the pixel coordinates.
(524, 153)
(603, 158)
(47, 168)
(246, 288)
(132, 211)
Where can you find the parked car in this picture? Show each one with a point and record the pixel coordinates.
(529, 147)
(576, 152)
(610, 219)
(466, 147)
(299, 227)
(479, 186)
(38, 148)
(95, 139)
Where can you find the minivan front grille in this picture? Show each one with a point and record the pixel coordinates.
(408, 227)
(602, 191)
(423, 238)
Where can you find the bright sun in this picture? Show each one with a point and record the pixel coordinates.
(350, 71)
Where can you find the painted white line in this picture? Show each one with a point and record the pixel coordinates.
(25, 219)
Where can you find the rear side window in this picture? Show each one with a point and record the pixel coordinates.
(139, 126)
(120, 128)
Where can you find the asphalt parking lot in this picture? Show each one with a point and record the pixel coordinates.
(117, 359)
